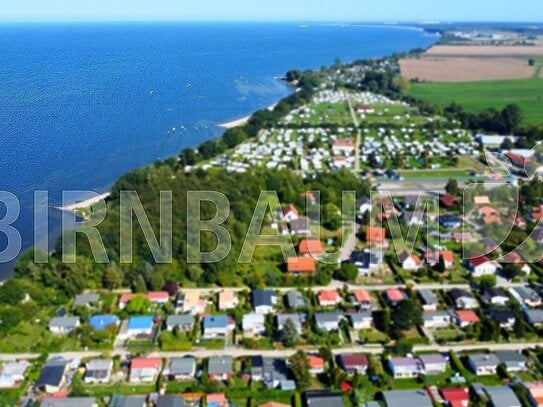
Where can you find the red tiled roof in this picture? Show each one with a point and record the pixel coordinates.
(477, 261)
(394, 294)
(328, 295)
(355, 360)
(291, 208)
(447, 255)
(315, 362)
(300, 264)
(467, 316)
(311, 246)
(448, 200)
(516, 159)
(375, 235)
(146, 363)
(455, 394)
(362, 295)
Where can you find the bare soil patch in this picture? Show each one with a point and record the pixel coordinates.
(485, 51)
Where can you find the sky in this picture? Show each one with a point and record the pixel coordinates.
(272, 10)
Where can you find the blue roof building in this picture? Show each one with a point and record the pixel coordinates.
(101, 322)
(140, 323)
(215, 321)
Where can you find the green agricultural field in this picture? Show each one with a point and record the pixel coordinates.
(477, 96)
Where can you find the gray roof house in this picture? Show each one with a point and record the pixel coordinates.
(437, 319)
(300, 226)
(69, 402)
(403, 398)
(98, 371)
(526, 296)
(502, 396)
(220, 367)
(185, 322)
(271, 371)
(295, 299)
(181, 368)
(63, 325)
(297, 319)
(128, 401)
(86, 300)
(170, 401)
(533, 316)
(483, 363)
(263, 301)
(404, 367)
(361, 320)
(328, 321)
(433, 363)
(513, 361)
(429, 299)
(322, 398)
(52, 376)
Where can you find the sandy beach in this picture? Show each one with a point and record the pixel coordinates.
(84, 204)
(243, 120)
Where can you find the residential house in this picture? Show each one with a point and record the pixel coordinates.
(63, 325)
(361, 320)
(455, 396)
(463, 299)
(502, 396)
(170, 401)
(295, 299)
(433, 364)
(526, 296)
(533, 317)
(364, 205)
(228, 299)
(506, 318)
(191, 302)
(404, 398)
(322, 398)
(13, 373)
(513, 361)
(69, 402)
(263, 301)
(328, 298)
(394, 296)
(362, 299)
(155, 297)
(428, 299)
(300, 227)
(139, 327)
(354, 362)
(409, 261)
(145, 370)
(253, 324)
(450, 221)
(182, 369)
(404, 367)
(102, 322)
(433, 257)
(131, 401)
(296, 319)
(271, 371)
(535, 394)
(328, 321)
(376, 236)
(98, 371)
(216, 326)
(311, 247)
(483, 363)
(481, 200)
(220, 368)
(515, 259)
(482, 266)
(436, 319)
(184, 322)
(217, 400)
(465, 318)
(301, 265)
(86, 300)
(52, 376)
(316, 364)
(367, 261)
(290, 213)
(343, 147)
(495, 296)
(448, 201)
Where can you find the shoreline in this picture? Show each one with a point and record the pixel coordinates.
(242, 121)
(84, 204)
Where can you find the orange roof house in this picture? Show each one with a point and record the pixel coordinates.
(361, 296)
(535, 392)
(466, 317)
(394, 295)
(448, 201)
(316, 363)
(376, 236)
(328, 297)
(301, 265)
(227, 300)
(311, 247)
(146, 363)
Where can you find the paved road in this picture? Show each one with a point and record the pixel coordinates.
(358, 139)
(349, 245)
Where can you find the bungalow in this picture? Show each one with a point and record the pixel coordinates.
(526, 296)
(376, 236)
(217, 400)
(316, 364)
(322, 398)
(502, 396)
(311, 247)
(404, 367)
(216, 326)
(68, 402)
(366, 261)
(296, 319)
(138, 327)
(463, 299)
(433, 364)
(102, 322)
(182, 369)
(170, 401)
(263, 301)
(328, 321)
(98, 371)
(513, 361)
(450, 221)
(253, 324)
(483, 363)
(465, 318)
(63, 325)
(456, 397)
(185, 322)
(394, 296)
(436, 319)
(86, 300)
(328, 298)
(342, 147)
(409, 261)
(13, 373)
(481, 200)
(228, 299)
(52, 376)
(131, 401)
(361, 320)
(301, 265)
(515, 159)
(364, 109)
(448, 201)
(506, 318)
(403, 398)
(290, 213)
(300, 227)
(362, 299)
(191, 302)
(354, 362)
(295, 299)
(515, 259)
(271, 371)
(220, 368)
(495, 296)
(535, 394)
(482, 266)
(533, 317)
(145, 370)
(428, 299)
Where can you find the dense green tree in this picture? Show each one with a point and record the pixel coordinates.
(407, 314)
(138, 305)
(299, 366)
(289, 333)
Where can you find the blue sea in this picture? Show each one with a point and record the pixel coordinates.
(82, 104)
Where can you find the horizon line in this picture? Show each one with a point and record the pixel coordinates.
(424, 22)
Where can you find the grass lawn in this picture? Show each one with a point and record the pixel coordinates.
(446, 334)
(100, 391)
(477, 96)
(372, 336)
